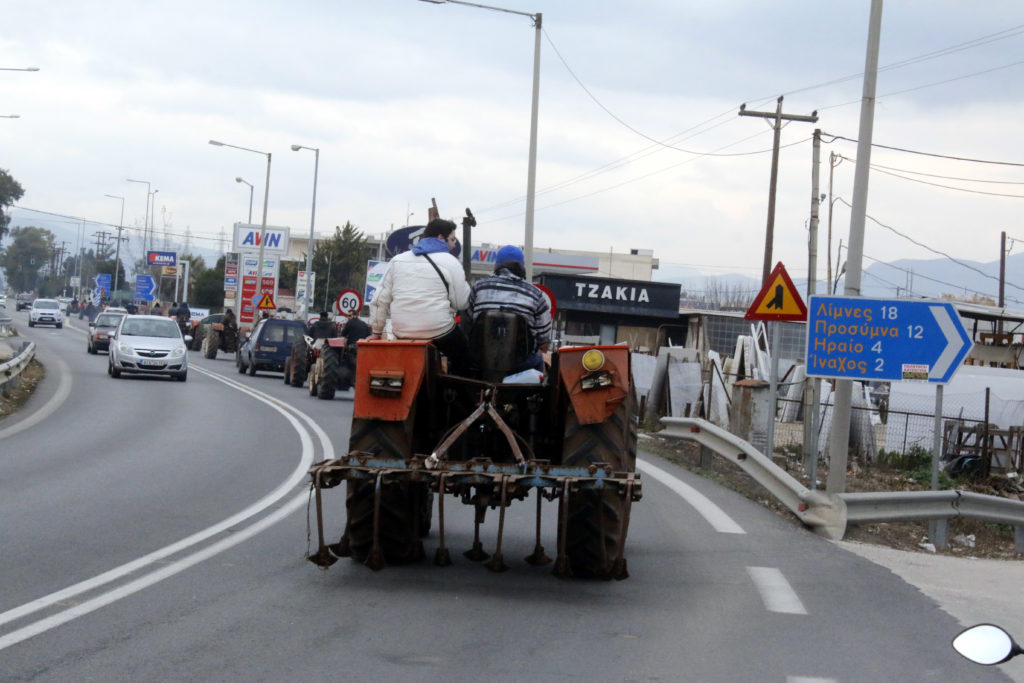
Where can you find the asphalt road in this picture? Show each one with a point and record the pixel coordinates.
(156, 531)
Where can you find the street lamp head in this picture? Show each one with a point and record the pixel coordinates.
(239, 180)
(32, 68)
(435, 2)
(215, 143)
(296, 148)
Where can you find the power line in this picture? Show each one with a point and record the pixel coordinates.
(948, 187)
(932, 249)
(926, 154)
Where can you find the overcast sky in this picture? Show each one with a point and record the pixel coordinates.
(410, 100)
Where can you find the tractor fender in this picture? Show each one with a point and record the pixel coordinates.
(594, 406)
(405, 359)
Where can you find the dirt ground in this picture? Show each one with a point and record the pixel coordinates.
(967, 537)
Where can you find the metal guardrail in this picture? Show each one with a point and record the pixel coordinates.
(825, 514)
(10, 371)
(829, 515)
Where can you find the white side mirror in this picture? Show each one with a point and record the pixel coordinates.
(986, 644)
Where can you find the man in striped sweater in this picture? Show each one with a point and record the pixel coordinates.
(508, 290)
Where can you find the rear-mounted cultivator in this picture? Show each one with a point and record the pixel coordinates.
(572, 438)
(485, 484)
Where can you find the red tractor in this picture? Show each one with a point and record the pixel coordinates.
(419, 432)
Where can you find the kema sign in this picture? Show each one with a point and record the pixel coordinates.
(162, 258)
(884, 339)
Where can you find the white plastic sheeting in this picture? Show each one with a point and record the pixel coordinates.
(963, 397)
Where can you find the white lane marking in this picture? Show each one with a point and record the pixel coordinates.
(165, 572)
(50, 407)
(809, 679)
(325, 441)
(714, 515)
(283, 489)
(776, 593)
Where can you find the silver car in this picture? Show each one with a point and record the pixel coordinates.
(148, 345)
(45, 312)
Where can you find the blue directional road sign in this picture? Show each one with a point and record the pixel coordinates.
(886, 340)
(102, 281)
(145, 288)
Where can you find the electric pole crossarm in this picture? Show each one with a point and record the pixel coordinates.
(813, 118)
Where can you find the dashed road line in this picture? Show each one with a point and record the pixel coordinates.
(776, 593)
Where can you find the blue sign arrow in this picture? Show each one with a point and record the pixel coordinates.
(888, 340)
(145, 287)
(102, 281)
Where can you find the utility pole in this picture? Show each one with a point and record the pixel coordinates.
(117, 256)
(812, 387)
(839, 446)
(778, 117)
(1002, 276)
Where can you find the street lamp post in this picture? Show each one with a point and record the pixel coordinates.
(117, 254)
(263, 227)
(531, 173)
(243, 180)
(145, 221)
(307, 299)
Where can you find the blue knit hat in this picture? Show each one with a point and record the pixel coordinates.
(510, 253)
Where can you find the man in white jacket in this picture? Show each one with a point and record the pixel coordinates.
(422, 291)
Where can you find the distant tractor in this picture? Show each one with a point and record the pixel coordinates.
(419, 432)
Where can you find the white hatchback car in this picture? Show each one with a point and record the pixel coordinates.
(148, 345)
(45, 312)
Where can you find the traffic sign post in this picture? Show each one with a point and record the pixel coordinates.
(777, 301)
(145, 287)
(887, 340)
(348, 303)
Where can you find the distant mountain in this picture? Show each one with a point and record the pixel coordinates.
(930, 278)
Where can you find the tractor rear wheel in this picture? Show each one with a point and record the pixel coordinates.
(328, 383)
(212, 342)
(594, 527)
(399, 529)
(300, 364)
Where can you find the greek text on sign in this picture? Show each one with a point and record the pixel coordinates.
(884, 339)
(778, 299)
(614, 292)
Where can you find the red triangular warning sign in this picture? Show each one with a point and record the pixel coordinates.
(267, 302)
(778, 299)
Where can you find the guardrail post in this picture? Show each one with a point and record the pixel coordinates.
(706, 457)
(1018, 538)
(938, 533)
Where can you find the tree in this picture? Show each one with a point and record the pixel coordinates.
(208, 286)
(10, 192)
(344, 256)
(28, 256)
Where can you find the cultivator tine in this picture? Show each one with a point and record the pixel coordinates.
(497, 563)
(343, 547)
(604, 570)
(477, 552)
(619, 571)
(375, 558)
(322, 557)
(562, 569)
(537, 557)
(442, 558)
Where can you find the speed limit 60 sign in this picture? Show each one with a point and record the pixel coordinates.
(348, 303)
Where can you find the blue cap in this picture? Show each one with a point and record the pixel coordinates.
(510, 253)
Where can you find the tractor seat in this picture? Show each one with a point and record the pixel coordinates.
(499, 341)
